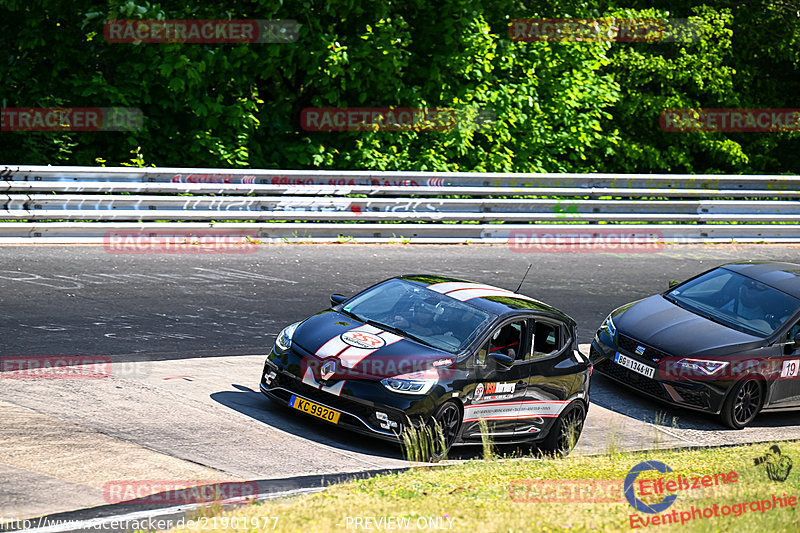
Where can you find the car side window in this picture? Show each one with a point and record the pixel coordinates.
(548, 338)
(794, 330)
(508, 339)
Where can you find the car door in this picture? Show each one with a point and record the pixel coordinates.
(498, 389)
(786, 392)
(549, 369)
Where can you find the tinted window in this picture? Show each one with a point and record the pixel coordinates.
(547, 339)
(508, 340)
(736, 301)
(794, 330)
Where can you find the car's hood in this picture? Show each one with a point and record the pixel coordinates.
(668, 327)
(363, 350)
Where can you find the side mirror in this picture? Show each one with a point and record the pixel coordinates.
(336, 299)
(796, 339)
(673, 283)
(502, 359)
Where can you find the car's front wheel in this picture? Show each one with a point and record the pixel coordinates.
(448, 418)
(743, 403)
(565, 432)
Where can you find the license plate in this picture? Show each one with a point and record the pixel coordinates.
(314, 409)
(636, 366)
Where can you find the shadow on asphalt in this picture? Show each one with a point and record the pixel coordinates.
(276, 415)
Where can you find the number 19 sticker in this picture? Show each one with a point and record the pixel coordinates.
(790, 368)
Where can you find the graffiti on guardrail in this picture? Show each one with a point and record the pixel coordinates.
(212, 178)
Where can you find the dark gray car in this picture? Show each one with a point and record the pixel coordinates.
(725, 342)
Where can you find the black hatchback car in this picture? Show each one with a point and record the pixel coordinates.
(417, 348)
(725, 342)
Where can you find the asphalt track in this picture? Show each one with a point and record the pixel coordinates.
(186, 335)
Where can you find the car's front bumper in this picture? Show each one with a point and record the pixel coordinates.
(705, 396)
(359, 412)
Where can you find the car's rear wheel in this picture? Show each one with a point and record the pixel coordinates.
(743, 403)
(565, 431)
(448, 418)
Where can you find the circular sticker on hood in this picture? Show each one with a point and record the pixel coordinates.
(362, 339)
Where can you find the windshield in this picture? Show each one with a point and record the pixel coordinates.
(422, 314)
(736, 301)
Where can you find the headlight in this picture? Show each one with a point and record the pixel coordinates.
(699, 367)
(284, 339)
(416, 383)
(608, 323)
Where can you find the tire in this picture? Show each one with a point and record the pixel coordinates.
(448, 416)
(565, 431)
(744, 402)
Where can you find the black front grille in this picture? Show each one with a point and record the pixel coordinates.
(629, 345)
(692, 397)
(364, 412)
(314, 394)
(631, 378)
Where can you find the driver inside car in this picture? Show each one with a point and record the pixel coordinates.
(749, 304)
(424, 317)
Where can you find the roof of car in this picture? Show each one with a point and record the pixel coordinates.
(783, 276)
(494, 299)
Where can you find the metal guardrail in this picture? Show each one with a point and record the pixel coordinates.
(53, 204)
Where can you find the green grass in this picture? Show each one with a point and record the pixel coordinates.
(477, 495)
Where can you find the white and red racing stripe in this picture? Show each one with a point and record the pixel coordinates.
(349, 355)
(467, 291)
(514, 410)
(354, 355)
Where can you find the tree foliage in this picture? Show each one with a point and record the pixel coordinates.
(557, 106)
